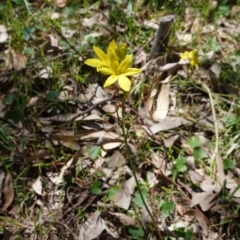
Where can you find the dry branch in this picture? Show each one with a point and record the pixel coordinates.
(161, 39)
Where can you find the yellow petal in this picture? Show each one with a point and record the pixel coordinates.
(132, 71)
(184, 55)
(124, 83)
(112, 45)
(114, 61)
(106, 70)
(99, 52)
(112, 79)
(94, 62)
(125, 64)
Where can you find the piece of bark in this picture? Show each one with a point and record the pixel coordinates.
(161, 40)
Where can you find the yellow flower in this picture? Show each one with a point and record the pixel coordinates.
(116, 63)
(192, 57)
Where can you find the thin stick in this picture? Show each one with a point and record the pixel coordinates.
(161, 39)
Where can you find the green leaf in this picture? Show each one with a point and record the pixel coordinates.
(112, 191)
(137, 199)
(194, 141)
(19, 2)
(224, 10)
(166, 208)
(232, 121)
(68, 11)
(213, 45)
(9, 98)
(180, 165)
(94, 152)
(51, 95)
(95, 188)
(228, 163)
(186, 235)
(26, 32)
(199, 154)
(136, 232)
(13, 115)
(29, 51)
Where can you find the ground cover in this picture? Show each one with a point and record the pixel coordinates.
(143, 144)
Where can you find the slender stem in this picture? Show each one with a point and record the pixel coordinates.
(125, 136)
(213, 163)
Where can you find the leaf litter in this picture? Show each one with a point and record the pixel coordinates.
(68, 147)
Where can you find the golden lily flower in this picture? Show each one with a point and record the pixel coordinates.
(192, 57)
(116, 63)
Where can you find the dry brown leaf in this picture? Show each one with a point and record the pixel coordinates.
(59, 179)
(211, 188)
(151, 24)
(113, 110)
(145, 217)
(200, 219)
(70, 144)
(157, 160)
(116, 160)
(131, 184)
(206, 200)
(37, 186)
(162, 103)
(45, 73)
(180, 209)
(232, 185)
(121, 171)
(169, 123)
(195, 177)
(55, 15)
(125, 220)
(184, 38)
(54, 40)
(16, 60)
(111, 145)
(151, 179)
(235, 192)
(169, 139)
(92, 228)
(93, 116)
(140, 58)
(149, 103)
(32, 101)
(122, 198)
(169, 67)
(67, 32)
(101, 135)
(53, 236)
(90, 22)
(7, 191)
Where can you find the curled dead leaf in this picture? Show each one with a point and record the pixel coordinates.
(7, 191)
(15, 60)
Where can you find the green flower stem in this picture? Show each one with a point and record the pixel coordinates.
(129, 153)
